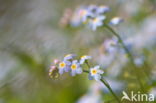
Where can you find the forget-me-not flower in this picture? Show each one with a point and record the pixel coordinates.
(69, 56)
(53, 72)
(75, 68)
(64, 66)
(95, 73)
(115, 21)
(102, 9)
(110, 45)
(96, 22)
(84, 58)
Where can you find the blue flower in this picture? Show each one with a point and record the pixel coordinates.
(84, 58)
(95, 73)
(92, 8)
(111, 45)
(115, 21)
(53, 72)
(64, 66)
(75, 68)
(102, 9)
(69, 56)
(96, 22)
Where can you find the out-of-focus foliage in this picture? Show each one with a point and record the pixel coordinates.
(32, 35)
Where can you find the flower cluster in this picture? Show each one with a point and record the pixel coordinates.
(74, 66)
(93, 16)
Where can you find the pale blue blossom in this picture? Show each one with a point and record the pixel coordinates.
(111, 45)
(69, 56)
(96, 22)
(102, 9)
(75, 68)
(92, 8)
(64, 66)
(95, 73)
(80, 16)
(84, 58)
(115, 21)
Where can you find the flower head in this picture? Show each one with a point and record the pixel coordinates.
(110, 45)
(96, 22)
(64, 66)
(95, 73)
(84, 14)
(84, 58)
(115, 21)
(102, 9)
(56, 61)
(53, 72)
(69, 56)
(75, 68)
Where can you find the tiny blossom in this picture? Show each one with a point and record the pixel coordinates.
(110, 45)
(115, 21)
(102, 9)
(84, 58)
(75, 68)
(65, 19)
(92, 8)
(84, 14)
(69, 56)
(53, 72)
(56, 61)
(80, 16)
(96, 22)
(95, 73)
(64, 66)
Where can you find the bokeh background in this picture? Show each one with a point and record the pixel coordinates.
(34, 32)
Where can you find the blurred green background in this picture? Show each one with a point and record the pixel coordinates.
(31, 36)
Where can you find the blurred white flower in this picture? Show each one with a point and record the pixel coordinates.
(96, 22)
(84, 58)
(115, 21)
(95, 73)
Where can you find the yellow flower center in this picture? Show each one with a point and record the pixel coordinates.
(93, 71)
(74, 66)
(83, 57)
(95, 20)
(62, 65)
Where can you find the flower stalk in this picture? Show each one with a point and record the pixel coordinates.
(105, 83)
(129, 55)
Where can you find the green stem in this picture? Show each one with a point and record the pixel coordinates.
(105, 83)
(121, 42)
(129, 55)
(87, 64)
(110, 89)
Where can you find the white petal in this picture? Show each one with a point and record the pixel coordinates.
(73, 73)
(100, 71)
(90, 77)
(82, 61)
(79, 70)
(116, 20)
(74, 61)
(61, 71)
(97, 67)
(97, 77)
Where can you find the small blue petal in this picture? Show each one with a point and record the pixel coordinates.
(90, 77)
